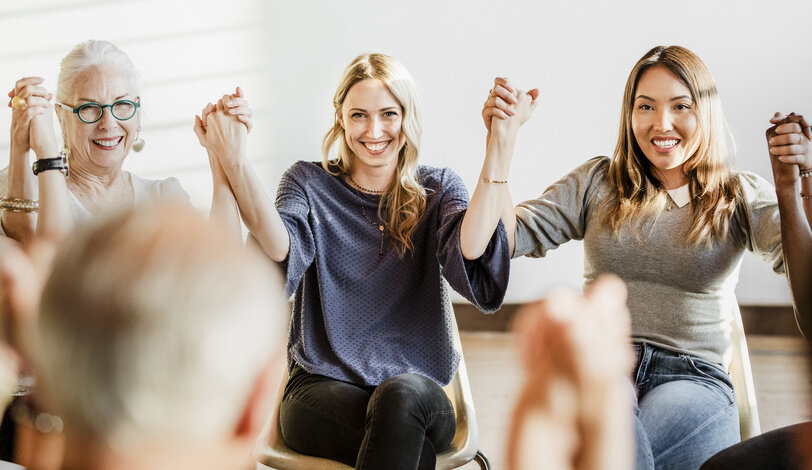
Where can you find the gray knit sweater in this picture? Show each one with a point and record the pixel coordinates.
(680, 296)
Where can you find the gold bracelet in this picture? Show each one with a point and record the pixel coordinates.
(486, 180)
(14, 204)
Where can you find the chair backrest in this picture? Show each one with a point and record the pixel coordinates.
(272, 451)
(742, 377)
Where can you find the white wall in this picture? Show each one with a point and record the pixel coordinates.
(577, 53)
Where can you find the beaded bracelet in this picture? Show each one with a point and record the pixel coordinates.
(14, 204)
(806, 196)
(806, 173)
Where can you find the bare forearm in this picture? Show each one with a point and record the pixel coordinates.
(796, 240)
(21, 185)
(491, 200)
(224, 209)
(258, 211)
(55, 219)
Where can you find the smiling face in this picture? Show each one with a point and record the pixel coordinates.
(372, 118)
(664, 122)
(105, 143)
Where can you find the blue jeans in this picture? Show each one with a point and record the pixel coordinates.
(400, 424)
(685, 410)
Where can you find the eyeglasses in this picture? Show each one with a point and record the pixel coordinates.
(92, 112)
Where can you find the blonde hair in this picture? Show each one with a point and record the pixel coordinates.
(637, 192)
(405, 198)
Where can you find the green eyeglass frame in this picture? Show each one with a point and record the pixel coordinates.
(81, 108)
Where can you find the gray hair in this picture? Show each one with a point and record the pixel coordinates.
(157, 323)
(91, 53)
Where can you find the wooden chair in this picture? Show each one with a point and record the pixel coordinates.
(272, 451)
(742, 377)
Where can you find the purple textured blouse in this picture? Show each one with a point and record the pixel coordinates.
(363, 317)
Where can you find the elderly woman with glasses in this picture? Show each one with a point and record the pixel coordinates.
(99, 111)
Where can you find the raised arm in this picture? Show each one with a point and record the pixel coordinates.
(791, 159)
(224, 209)
(55, 220)
(225, 140)
(29, 99)
(505, 110)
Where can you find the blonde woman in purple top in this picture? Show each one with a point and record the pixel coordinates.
(366, 238)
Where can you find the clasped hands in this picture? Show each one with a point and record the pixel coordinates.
(222, 128)
(788, 143)
(510, 106)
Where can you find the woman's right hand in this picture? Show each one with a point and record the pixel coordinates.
(31, 124)
(226, 135)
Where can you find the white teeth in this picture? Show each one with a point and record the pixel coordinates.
(108, 142)
(376, 147)
(665, 144)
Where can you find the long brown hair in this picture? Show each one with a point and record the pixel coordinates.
(405, 198)
(638, 194)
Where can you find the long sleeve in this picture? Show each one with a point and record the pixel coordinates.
(560, 214)
(482, 281)
(294, 208)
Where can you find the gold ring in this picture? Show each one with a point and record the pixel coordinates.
(18, 102)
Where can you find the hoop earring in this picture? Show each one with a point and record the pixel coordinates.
(139, 143)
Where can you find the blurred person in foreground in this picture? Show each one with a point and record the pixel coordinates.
(159, 341)
(574, 412)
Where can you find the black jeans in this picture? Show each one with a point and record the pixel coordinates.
(400, 424)
(779, 449)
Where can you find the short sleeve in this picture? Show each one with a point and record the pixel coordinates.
(757, 219)
(560, 213)
(482, 281)
(170, 189)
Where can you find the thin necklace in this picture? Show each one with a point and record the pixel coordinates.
(363, 188)
(380, 224)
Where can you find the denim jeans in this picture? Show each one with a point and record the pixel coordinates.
(685, 410)
(400, 424)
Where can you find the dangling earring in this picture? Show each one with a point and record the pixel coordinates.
(139, 143)
(65, 148)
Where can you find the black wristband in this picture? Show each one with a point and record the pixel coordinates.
(58, 163)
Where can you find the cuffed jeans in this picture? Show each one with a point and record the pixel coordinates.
(400, 424)
(685, 410)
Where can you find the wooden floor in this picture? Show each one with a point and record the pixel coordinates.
(780, 368)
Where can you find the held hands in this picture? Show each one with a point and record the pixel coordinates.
(788, 143)
(222, 128)
(507, 107)
(31, 122)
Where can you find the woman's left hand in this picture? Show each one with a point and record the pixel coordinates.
(788, 141)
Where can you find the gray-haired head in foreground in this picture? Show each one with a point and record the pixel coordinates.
(156, 324)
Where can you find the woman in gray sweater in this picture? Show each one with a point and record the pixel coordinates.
(668, 215)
